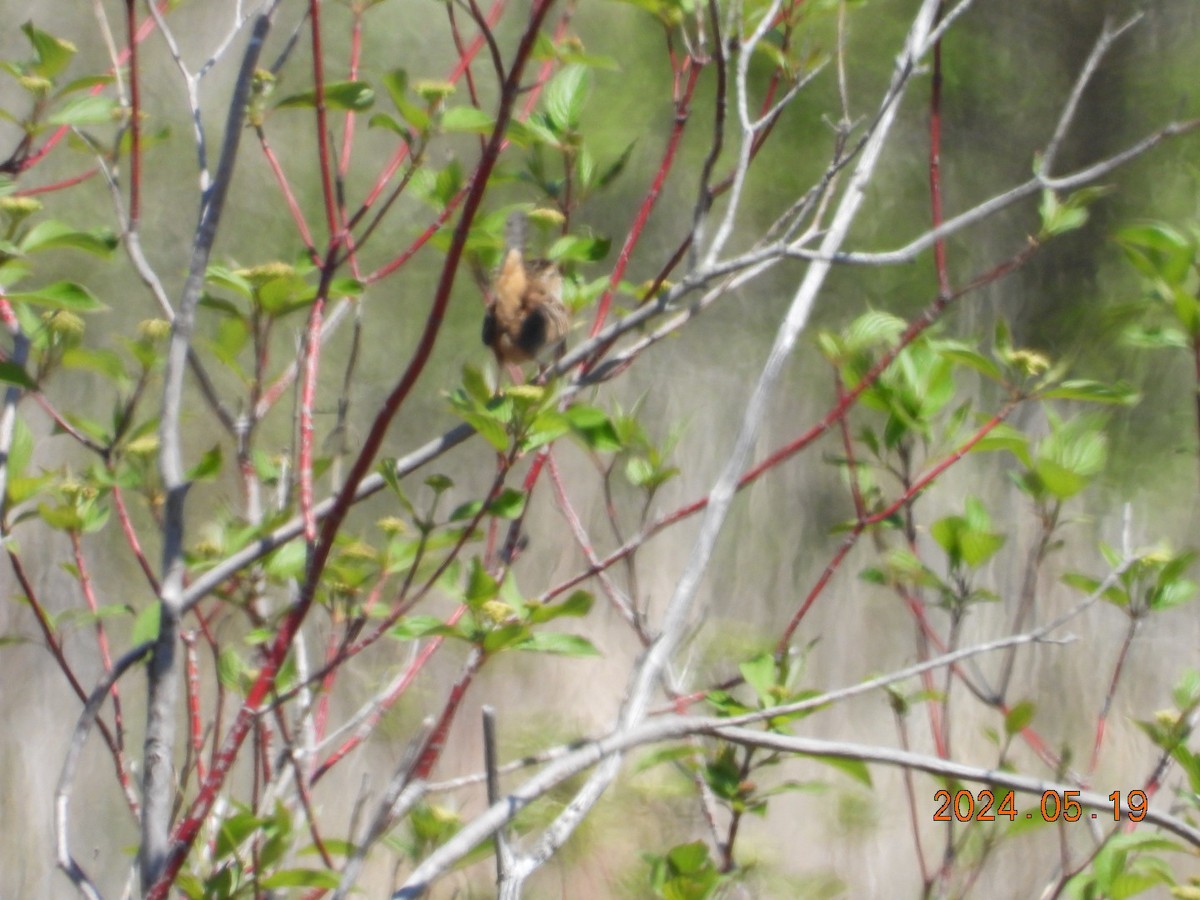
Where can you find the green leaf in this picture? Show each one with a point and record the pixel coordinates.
(287, 562)
(759, 673)
(1018, 717)
(103, 362)
(351, 96)
(565, 96)
(492, 430)
(52, 233)
(53, 54)
(1058, 480)
(481, 586)
(93, 109)
(609, 175)
(855, 768)
(1094, 392)
(467, 119)
(1173, 593)
(313, 878)
(509, 505)
(221, 276)
(578, 604)
(208, 466)
(411, 627)
(11, 373)
(396, 83)
(146, 625)
(562, 644)
(85, 83)
(969, 356)
(66, 295)
(1158, 250)
(21, 450)
(579, 249)
(593, 428)
(505, 636)
(383, 120)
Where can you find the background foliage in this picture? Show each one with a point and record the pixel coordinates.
(1036, 447)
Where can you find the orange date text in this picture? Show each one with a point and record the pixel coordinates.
(982, 806)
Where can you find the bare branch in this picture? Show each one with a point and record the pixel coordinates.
(66, 778)
(158, 779)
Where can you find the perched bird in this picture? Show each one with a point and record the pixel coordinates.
(526, 312)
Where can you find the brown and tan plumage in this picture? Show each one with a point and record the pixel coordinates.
(526, 313)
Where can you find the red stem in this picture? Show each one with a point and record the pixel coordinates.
(318, 62)
(195, 723)
(682, 104)
(289, 197)
(131, 538)
(57, 185)
(89, 597)
(56, 650)
(135, 114)
(436, 741)
(387, 701)
(886, 513)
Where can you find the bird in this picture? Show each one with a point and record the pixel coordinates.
(526, 312)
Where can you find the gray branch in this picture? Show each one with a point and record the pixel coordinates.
(158, 783)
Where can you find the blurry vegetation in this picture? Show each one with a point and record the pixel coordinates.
(384, 530)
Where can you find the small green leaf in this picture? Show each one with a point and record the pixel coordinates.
(759, 673)
(52, 233)
(61, 295)
(1018, 717)
(420, 626)
(1094, 392)
(351, 96)
(578, 604)
(53, 54)
(11, 373)
(208, 466)
(311, 878)
(509, 505)
(93, 109)
(565, 96)
(481, 586)
(855, 768)
(562, 644)
(103, 362)
(287, 562)
(467, 119)
(609, 175)
(146, 625)
(580, 249)
(492, 430)
(505, 636)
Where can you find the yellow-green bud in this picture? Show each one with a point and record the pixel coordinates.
(260, 275)
(146, 445)
(20, 206)
(358, 550)
(393, 525)
(151, 330)
(63, 324)
(35, 84)
(496, 611)
(546, 216)
(1030, 361)
(433, 91)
